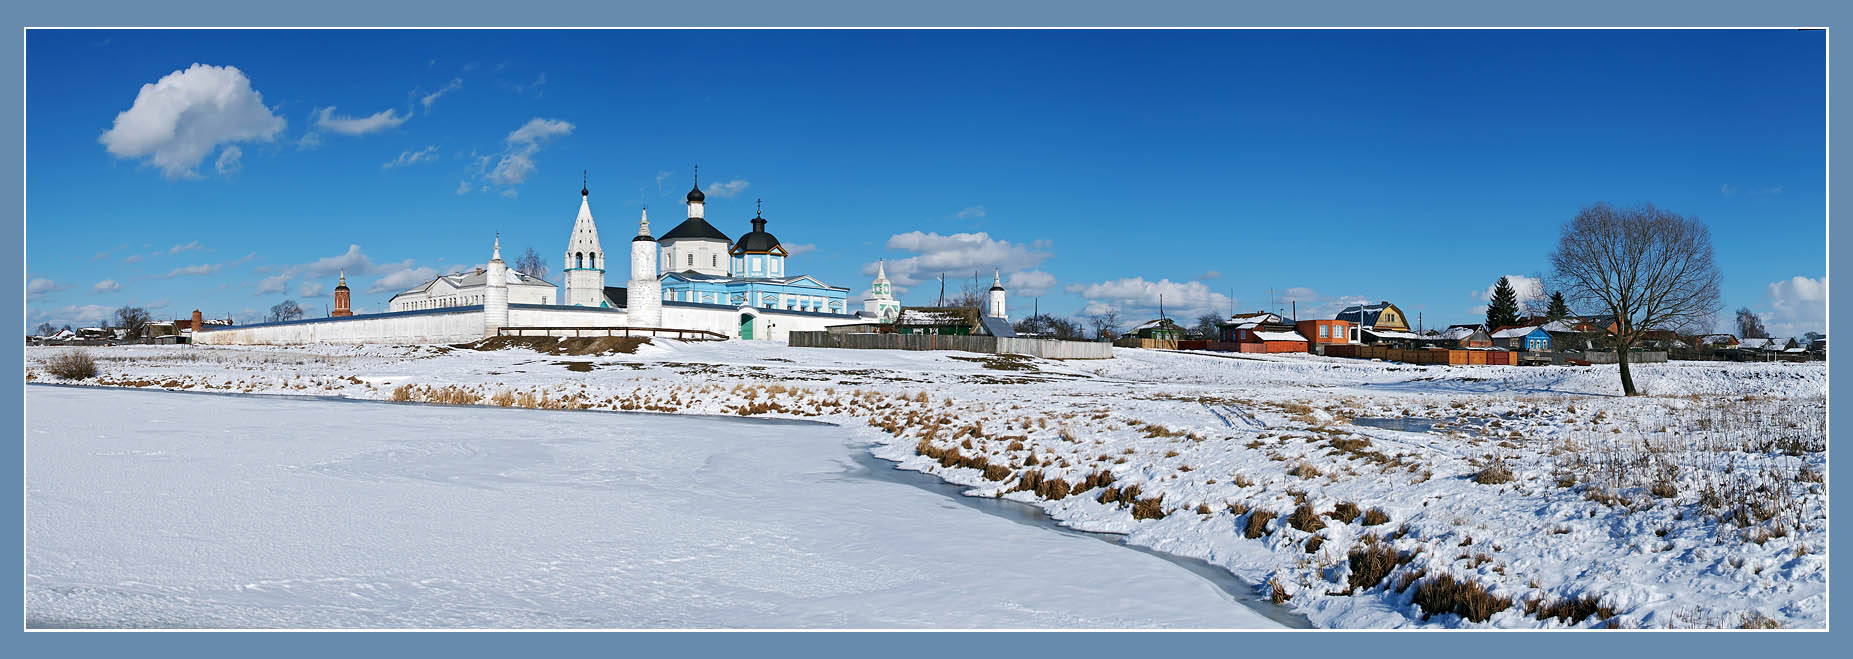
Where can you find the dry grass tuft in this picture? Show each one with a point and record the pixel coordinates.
(1370, 564)
(1494, 474)
(1257, 525)
(1376, 516)
(1345, 512)
(1305, 519)
(1465, 598)
(1571, 610)
(1152, 508)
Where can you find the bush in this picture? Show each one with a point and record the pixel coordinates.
(1344, 512)
(1258, 524)
(72, 365)
(1574, 610)
(1467, 599)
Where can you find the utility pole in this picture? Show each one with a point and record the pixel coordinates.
(942, 291)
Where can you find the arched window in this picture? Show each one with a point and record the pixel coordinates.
(691, 260)
(594, 261)
(578, 260)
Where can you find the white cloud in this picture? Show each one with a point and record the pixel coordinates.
(353, 260)
(412, 157)
(1135, 299)
(1209, 275)
(955, 255)
(272, 284)
(41, 288)
(428, 99)
(177, 120)
(1029, 283)
(86, 315)
(522, 144)
(1796, 305)
(310, 142)
(106, 286)
(230, 161)
(1530, 290)
(189, 247)
(662, 175)
(326, 119)
(539, 129)
(728, 189)
(310, 289)
(800, 248)
(132, 258)
(199, 270)
(402, 276)
(971, 212)
(463, 187)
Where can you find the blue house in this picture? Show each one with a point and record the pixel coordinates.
(1529, 339)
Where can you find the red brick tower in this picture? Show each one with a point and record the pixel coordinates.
(342, 306)
(198, 320)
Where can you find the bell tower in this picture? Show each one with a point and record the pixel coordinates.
(585, 261)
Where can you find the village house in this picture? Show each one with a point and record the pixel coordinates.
(953, 321)
(1262, 332)
(1531, 338)
(1322, 333)
(1381, 323)
(1465, 336)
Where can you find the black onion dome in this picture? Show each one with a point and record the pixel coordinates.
(694, 194)
(757, 240)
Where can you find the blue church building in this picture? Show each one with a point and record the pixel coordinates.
(702, 265)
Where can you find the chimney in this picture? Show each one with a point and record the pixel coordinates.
(198, 320)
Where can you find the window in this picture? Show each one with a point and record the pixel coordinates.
(714, 260)
(578, 260)
(594, 261)
(1325, 331)
(691, 260)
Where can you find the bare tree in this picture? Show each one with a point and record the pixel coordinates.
(531, 264)
(972, 294)
(132, 319)
(1749, 326)
(1106, 324)
(45, 329)
(1649, 267)
(285, 310)
(1208, 326)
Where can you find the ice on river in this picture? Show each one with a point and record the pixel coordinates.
(151, 509)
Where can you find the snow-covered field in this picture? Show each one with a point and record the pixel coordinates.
(150, 509)
(1425, 495)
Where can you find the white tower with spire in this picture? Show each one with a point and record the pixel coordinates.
(996, 307)
(881, 302)
(585, 260)
(495, 292)
(644, 298)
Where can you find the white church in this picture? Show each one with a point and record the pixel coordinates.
(694, 278)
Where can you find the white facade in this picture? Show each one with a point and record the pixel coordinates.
(996, 307)
(644, 292)
(495, 293)
(464, 289)
(584, 269)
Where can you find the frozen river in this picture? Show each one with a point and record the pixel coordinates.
(153, 509)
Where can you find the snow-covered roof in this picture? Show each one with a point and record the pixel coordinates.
(1154, 323)
(1515, 332)
(1559, 326)
(1457, 333)
(934, 316)
(1388, 334)
(1279, 336)
(1756, 344)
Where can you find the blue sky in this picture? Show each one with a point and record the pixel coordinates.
(1097, 169)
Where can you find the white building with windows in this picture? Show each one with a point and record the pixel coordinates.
(463, 289)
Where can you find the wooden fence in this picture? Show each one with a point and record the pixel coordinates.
(1044, 348)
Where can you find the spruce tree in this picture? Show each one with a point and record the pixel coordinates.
(1503, 311)
(1558, 310)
